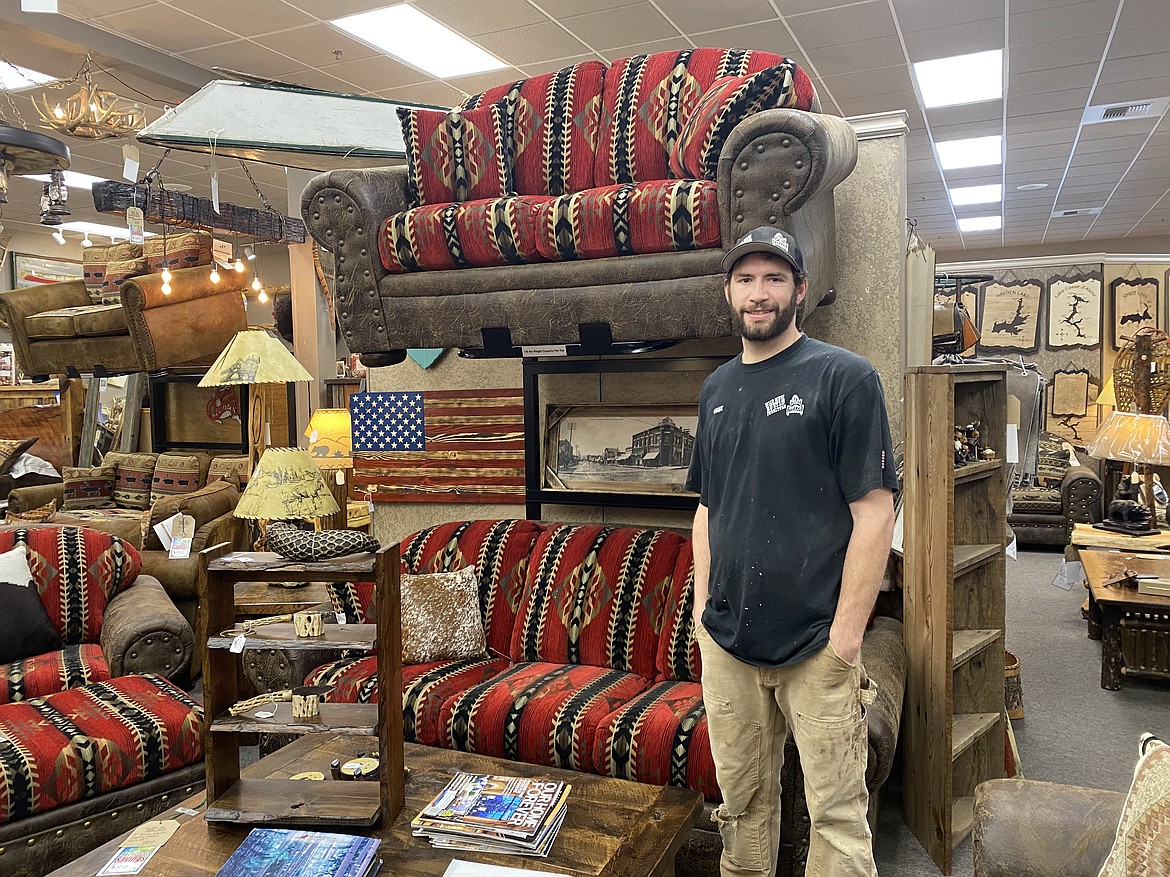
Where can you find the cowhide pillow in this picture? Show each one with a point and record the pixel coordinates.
(291, 542)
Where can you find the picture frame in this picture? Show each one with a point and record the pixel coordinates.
(631, 449)
(1009, 317)
(30, 270)
(1135, 306)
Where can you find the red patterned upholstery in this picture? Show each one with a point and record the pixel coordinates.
(659, 737)
(455, 156)
(537, 713)
(647, 98)
(596, 595)
(551, 124)
(656, 217)
(38, 676)
(84, 742)
(678, 657)
(76, 571)
(494, 231)
(695, 153)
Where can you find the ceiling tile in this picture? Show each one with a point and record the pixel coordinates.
(1137, 41)
(769, 36)
(694, 16)
(376, 73)
(477, 82)
(1055, 53)
(988, 113)
(315, 45)
(470, 19)
(336, 8)
(1025, 104)
(550, 66)
(167, 29)
(88, 10)
(565, 8)
(250, 18)
(677, 44)
(607, 29)
(1132, 92)
(954, 39)
(246, 57)
(884, 81)
(435, 93)
(1091, 17)
(1063, 120)
(867, 54)
(533, 42)
(927, 14)
(836, 27)
(1045, 81)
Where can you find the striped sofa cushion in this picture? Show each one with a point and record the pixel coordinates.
(40, 675)
(456, 155)
(678, 653)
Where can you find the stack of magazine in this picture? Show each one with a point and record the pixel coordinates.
(494, 814)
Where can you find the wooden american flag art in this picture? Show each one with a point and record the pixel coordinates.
(439, 446)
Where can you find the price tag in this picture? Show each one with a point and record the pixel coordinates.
(136, 225)
(340, 618)
(137, 849)
(182, 533)
(130, 157)
(237, 645)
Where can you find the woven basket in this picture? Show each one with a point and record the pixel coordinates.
(1013, 692)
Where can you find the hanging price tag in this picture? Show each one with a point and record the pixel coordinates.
(130, 157)
(237, 645)
(136, 225)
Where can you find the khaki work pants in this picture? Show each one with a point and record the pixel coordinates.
(749, 713)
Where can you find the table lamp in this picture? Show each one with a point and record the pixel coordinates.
(1138, 440)
(258, 359)
(330, 436)
(286, 486)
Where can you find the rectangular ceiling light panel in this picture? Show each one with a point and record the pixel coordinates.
(964, 195)
(408, 35)
(961, 79)
(980, 223)
(73, 179)
(971, 152)
(14, 77)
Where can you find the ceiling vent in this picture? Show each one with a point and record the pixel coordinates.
(1141, 109)
(1079, 211)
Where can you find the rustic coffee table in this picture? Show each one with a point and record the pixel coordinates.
(613, 828)
(1134, 628)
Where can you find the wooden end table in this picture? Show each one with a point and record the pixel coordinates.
(1134, 628)
(613, 828)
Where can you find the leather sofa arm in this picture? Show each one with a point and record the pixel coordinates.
(143, 632)
(22, 499)
(1080, 495)
(16, 304)
(1026, 828)
(883, 654)
(180, 577)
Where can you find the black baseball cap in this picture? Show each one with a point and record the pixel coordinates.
(767, 239)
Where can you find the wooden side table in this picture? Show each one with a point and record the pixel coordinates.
(1134, 628)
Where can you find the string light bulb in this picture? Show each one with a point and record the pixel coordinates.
(239, 265)
(166, 276)
(263, 296)
(256, 284)
(166, 287)
(214, 277)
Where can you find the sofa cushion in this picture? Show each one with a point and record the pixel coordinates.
(492, 231)
(456, 155)
(678, 653)
(188, 249)
(659, 737)
(116, 273)
(728, 101)
(87, 321)
(14, 567)
(647, 98)
(84, 742)
(95, 259)
(1142, 843)
(127, 524)
(1036, 501)
(174, 474)
(68, 667)
(538, 713)
(656, 217)
(441, 620)
(234, 469)
(76, 571)
(25, 628)
(551, 127)
(132, 479)
(596, 595)
(88, 488)
(425, 688)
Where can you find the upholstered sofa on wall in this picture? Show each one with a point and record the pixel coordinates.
(589, 196)
(94, 738)
(590, 664)
(1064, 493)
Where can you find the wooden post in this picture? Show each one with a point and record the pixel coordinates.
(132, 412)
(93, 403)
(216, 613)
(392, 758)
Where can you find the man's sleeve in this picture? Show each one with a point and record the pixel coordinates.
(863, 452)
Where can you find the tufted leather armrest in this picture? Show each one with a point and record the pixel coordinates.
(1080, 496)
(143, 632)
(1025, 828)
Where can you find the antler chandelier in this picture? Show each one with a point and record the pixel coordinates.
(93, 113)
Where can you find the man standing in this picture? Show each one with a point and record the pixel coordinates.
(794, 469)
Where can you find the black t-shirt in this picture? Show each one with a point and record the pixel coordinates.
(783, 446)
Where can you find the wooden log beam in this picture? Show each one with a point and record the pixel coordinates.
(191, 211)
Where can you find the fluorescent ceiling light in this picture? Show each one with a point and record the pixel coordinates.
(972, 152)
(980, 223)
(73, 179)
(976, 195)
(407, 34)
(14, 78)
(961, 79)
(109, 231)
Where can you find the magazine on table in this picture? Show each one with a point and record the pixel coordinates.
(280, 852)
(538, 847)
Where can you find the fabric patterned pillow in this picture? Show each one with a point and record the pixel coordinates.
(132, 479)
(14, 566)
(40, 515)
(455, 156)
(695, 154)
(441, 620)
(234, 469)
(291, 542)
(1142, 844)
(174, 474)
(87, 488)
(11, 450)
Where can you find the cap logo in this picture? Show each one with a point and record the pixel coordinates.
(780, 242)
(747, 237)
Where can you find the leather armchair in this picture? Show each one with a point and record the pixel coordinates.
(1025, 828)
(1045, 516)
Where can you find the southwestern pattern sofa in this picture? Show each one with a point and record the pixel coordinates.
(94, 738)
(592, 665)
(588, 197)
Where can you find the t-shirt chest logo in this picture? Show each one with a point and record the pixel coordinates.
(795, 405)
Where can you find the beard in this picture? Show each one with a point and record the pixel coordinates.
(765, 331)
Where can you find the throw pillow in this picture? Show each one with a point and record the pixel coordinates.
(695, 154)
(14, 566)
(174, 474)
(296, 544)
(1142, 844)
(441, 620)
(11, 450)
(132, 479)
(40, 515)
(25, 629)
(455, 156)
(88, 488)
(233, 469)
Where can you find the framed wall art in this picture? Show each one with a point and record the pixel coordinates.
(1135, 306)
(34, 270)
(1074, 312)
(1010, 315)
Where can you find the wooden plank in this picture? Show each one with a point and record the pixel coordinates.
(968, 557)
(341, 718)
(132, 412)
(264, 598)
(89, 423)
(284, 636)
(968, 727)
(388, 609)
(297, 802)
(973, 471)
(968, 643)
(962, 819)
(246, 564)
(220, 687)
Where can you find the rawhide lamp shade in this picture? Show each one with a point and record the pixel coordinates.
(1134, 438)
(286, 486)
(330, 434)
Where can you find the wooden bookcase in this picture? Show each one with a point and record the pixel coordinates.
(954, 551)
(327, 803)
